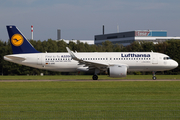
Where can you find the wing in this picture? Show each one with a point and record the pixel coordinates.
(89, 64)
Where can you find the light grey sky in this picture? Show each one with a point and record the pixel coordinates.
(82, 19)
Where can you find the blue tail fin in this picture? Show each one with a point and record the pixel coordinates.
(18, 41)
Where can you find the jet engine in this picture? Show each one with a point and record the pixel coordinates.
(117, 71)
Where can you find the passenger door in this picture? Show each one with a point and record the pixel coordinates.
(155, 59)
(39, 60)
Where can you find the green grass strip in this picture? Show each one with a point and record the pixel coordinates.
(90, 100)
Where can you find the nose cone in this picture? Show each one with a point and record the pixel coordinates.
(172, 64)
(175, 64)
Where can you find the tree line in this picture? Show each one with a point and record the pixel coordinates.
(171, 48)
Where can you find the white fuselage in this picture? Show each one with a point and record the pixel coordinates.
(62, 62)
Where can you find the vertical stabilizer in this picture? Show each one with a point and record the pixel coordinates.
(18, 41)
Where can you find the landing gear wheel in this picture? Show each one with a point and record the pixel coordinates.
(95, 77)
(154, 77)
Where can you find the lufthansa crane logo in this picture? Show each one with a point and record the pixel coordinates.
(17, 39)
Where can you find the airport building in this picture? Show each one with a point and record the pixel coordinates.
(90, 42)
(126, 38)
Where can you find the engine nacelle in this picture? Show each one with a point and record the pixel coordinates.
(117, 71)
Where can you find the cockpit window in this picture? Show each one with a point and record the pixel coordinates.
(167, 58)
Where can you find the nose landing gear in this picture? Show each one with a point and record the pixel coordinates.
(154, 77)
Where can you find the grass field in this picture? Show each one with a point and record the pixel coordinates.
(90, 100)
(88, 77)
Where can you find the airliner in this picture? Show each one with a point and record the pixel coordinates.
(115, 64)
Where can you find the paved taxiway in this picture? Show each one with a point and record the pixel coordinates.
(76, 80)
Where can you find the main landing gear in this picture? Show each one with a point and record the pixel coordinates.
(95, 77)
(96, 72)
(154, 77)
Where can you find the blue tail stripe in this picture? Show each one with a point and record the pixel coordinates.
(24, 46)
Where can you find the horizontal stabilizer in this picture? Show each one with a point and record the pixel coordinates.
(14, 58)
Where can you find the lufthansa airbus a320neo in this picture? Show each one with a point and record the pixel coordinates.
(116, 64)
